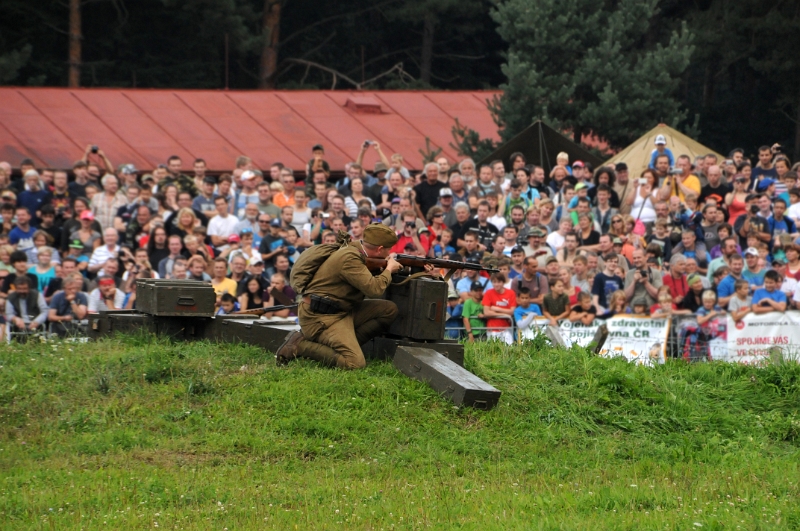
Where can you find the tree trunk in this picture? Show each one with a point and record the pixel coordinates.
(429, 25)
(75, 38)
(269, 54)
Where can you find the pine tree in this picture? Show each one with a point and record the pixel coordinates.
(590, 67)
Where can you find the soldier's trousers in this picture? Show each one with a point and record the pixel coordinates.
(345, 333)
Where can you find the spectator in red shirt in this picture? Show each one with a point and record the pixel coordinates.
(420, 240)
(676, 278)
(498, 306)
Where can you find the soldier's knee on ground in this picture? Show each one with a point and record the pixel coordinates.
(350, 363)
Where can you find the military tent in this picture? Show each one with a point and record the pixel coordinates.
(540, 144)
(637, 155)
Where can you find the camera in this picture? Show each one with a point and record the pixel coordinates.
(754, 209)
(94, 149)
(675, 171)
(368, 143)
(643, 181)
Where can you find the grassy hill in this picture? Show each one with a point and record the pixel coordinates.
(136, 433)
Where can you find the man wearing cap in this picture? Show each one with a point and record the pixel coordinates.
(204, 202)
(537, 248)
(753, 272)
(446, 202)
(335, 318)
(661, 149)
(248, 193)
(624, 188)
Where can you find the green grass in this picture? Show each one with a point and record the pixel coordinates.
(135, 433)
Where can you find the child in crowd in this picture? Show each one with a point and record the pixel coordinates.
(584, 311)
(472, 312)
(709, 310)
(228, 304)
(769, 298)
(525, 312)
(617, 305)
(661, 238)
(556, 303)
(499, 302)
(640, 307)
(454, 311)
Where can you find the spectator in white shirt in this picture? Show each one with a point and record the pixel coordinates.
(106, 297)
(109, 249)
(223, 224)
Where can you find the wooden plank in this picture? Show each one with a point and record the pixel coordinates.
(445, 377)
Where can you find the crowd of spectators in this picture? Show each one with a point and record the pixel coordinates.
(701, 236)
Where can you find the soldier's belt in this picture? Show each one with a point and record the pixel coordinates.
(322, 305)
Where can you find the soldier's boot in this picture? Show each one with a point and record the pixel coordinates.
(288, 349)
(369, 330)
(323, 354)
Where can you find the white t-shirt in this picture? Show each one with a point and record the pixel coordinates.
(101, 255)
(97, 304)
(498, 221)
(789, 287)
(794, 212)
(223, 227)
(556, 240)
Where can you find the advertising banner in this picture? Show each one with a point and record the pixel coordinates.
(751, 339)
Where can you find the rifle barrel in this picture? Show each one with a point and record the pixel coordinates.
(415, 261)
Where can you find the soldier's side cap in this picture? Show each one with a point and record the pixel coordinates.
(379, 235)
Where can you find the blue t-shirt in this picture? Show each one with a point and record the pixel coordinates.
(726, 287)
(520, 312)
(43, 278)
(755, 279)
(34, 201)
(22, 239)
(463, 285)
(655, 154)
(762, 294)
(604, 286)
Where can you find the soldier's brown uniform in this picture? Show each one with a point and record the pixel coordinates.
(345, 280)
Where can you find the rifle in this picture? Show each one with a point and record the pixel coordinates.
(261, 311)
(408, 260)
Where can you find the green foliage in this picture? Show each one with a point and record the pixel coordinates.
(230, 440)
(429, 154)
(11, 62)
(589, 66)
(469, 143)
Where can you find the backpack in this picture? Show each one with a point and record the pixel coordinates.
(310, 261)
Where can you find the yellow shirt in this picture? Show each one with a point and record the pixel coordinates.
(691, 182)
(226, 285)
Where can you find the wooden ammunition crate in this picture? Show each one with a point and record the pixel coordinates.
(180, 298)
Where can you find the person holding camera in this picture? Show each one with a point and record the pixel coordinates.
(680, 181)
(642, 280)
(419, 238)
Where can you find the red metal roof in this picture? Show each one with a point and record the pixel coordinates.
(53, 126)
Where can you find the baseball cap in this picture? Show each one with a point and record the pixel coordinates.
(535, 232)
(577, 164)
(616, 241)
(234, 238)
(76, 244)
(779, 261)
(87, 214)
(209, 180)
(621, 166)
(580, 186)
(764, 184)
(246, 230)
(128, 169)
(517, 249)
(476, 286)
(550, 260)
(256, 259)
(660, 140)
(474, 258)
(751, 250)
(423, 229)
(148, 177)
(395, 200)
(8, 194)
(445, 192)
(275, 223)
(451, 294)
(248, 174)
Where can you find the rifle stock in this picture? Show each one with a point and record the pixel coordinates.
(408, 260)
